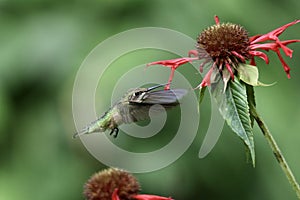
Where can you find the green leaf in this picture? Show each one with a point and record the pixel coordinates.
(201, 94)
(248, 74)
(264, 84)
(233, 105)
(251, 101)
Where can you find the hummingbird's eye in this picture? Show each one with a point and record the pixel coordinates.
(137, 93)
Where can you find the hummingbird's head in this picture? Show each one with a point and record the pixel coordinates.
(137, 94)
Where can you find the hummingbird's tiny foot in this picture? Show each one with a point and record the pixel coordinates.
(112, 131)
(116, 130)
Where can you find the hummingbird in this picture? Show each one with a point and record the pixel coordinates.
(134, 106)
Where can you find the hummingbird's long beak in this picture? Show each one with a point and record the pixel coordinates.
(156, 86)
(82, 132)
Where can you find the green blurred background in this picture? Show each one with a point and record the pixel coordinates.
(42, 45)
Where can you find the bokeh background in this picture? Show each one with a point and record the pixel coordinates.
(42, 45)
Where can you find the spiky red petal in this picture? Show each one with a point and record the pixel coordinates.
(115, 195)
(173, 64)
(275, 46)
(273, 35)
(150, 197)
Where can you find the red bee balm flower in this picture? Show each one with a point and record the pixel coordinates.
(227, 45)
(115, 196)
(115, 184)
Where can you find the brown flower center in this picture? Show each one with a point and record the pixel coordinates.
(221, 40)
(102, 184)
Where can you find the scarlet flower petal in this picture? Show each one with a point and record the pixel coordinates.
(254, 37)
(217, 20)
(242, 58)
(261, 55)
(114, 195)
(173, 64)
(273, 34)
(206, 80)
(286, 42)
(150, 197)
(167, 87)
(203, 64)
(265, 46)
(286, 50)
(274, 47)
(230, 70)
(193, 52)
(252, 61)
(285, 66)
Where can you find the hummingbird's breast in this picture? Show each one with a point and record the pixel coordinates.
(116, 119)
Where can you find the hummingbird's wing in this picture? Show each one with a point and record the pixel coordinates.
(164, 97)
(137, 109)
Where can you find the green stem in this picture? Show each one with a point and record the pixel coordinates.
(279, 156)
